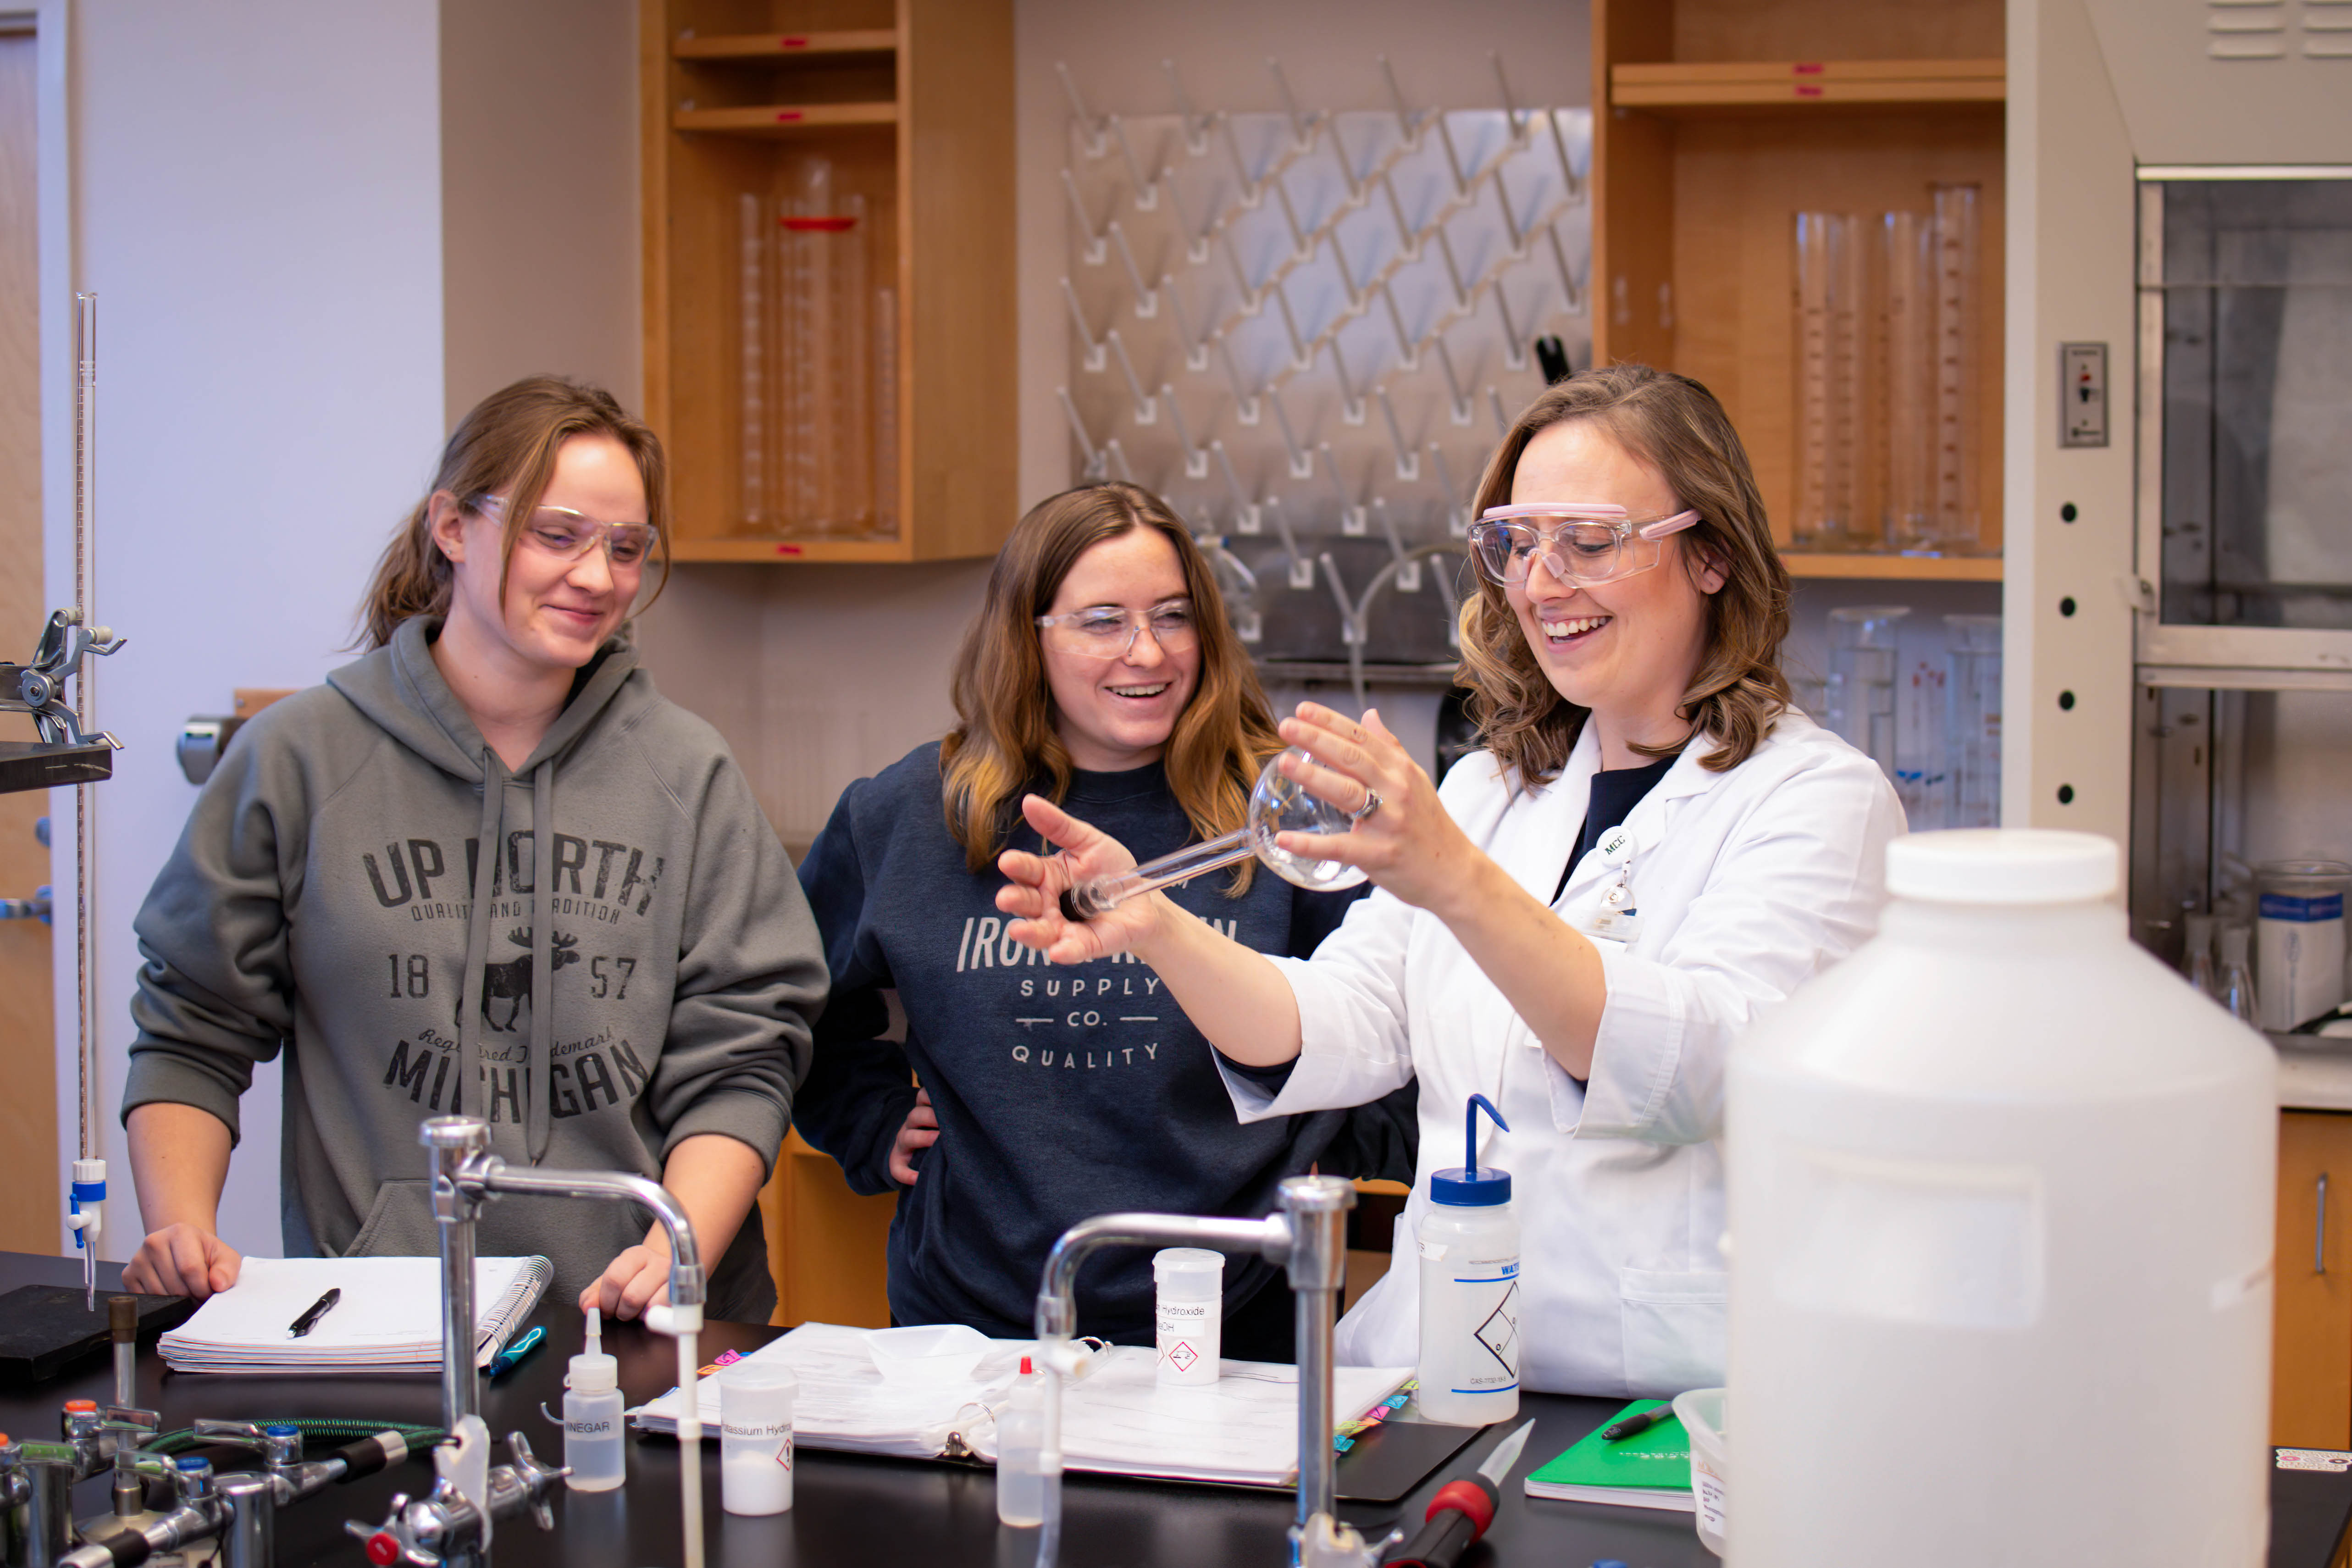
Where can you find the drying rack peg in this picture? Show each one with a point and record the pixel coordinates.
(1146, 411)
(1511, 228)
(1408, 123)
(1252, 188)
(1253, 298)
(1245, 404)
(1510, 110)
(1569, 286)
(1353, 519)
(1408, 351)
(1146, 192)
(1147, 300)
(1495, 402)
(1408, 461)
(1097, 250)
(1351, 401)
(1408, 237)
(1514, 347)
(1196, 126)
(1458, 406)
(1094, 360)
(1246, 516)
(1118, 456)
(1302, 567)
(1302, 462)
(1302, 126)
(1196, 349)
(1457, 510)
(1095, 146)
(1196, 239)
(1196, 459)
(1302, 357)
(1098, 466)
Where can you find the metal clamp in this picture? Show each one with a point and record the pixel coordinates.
(38, 688)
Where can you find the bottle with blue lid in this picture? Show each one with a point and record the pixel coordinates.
(1470, 1289)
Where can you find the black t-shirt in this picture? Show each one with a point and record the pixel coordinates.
(1615, 793)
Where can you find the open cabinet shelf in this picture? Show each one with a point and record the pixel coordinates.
(906, 108)
(782, 45)
(1801, 85)
(1727, 117)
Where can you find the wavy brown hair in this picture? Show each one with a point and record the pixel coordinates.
(508, 442)
(1676, 426)
(1005, 741)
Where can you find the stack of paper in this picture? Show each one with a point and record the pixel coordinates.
(1242, 1430)
(388, 1319)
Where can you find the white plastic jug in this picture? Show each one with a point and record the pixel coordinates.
(1999, 1191)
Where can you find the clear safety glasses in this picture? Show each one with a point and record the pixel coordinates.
(568, 535)
(1584, 543)
(1105, 631)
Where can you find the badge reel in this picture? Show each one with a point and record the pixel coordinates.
(1616, 920)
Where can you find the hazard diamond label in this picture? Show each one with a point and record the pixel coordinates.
(1500, 1333)
(1181, 1356)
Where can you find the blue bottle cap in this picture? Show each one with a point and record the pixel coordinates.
(192, 1463)
(1473, 1185)
(282, 1429)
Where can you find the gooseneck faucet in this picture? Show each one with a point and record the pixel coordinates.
(451, 1526)
(1309, 1236)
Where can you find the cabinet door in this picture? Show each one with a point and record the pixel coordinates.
(2311, 1357)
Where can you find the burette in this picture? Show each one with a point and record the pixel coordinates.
(87, 1205)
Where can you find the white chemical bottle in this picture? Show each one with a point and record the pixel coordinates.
(2000, 1189)
(593, 1442)
(1020, 1451)
(1470, 1289)
(756, 1400)
(1189, 1309)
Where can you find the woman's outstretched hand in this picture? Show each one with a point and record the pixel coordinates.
(1409, 844)
(1036, 882)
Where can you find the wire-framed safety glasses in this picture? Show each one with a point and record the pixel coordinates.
(568, 535)
(1584, 543)
(1108, 631)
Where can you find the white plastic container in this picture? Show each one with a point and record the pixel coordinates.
(1189, 1306)
(2299, 939)
(1701, 1414)
(1020, 1445)
(755, 1436)
(594, 1445)
(2001, 1194)
(1470, 1291)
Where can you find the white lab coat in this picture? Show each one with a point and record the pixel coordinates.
(1746, 883)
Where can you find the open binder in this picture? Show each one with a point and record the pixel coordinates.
(1241, 1430)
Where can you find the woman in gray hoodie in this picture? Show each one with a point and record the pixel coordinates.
(485, 868)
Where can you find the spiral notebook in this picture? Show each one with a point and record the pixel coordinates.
(388, 1319)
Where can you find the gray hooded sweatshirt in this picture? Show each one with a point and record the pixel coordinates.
(331, 893)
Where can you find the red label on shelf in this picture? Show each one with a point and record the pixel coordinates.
(788, 550)
(819, 225)
(793, 43)
(1808, 90)
(1807, 67)
(788, 114)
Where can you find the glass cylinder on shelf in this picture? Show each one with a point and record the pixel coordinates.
(1958, 308)
(1861, 693)
(752, 352)
(1922, 762)
(1835, 323)
(1908, 264)
(886, 412)
(1974, 699)
(819, 458)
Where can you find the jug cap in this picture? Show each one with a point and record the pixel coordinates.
(1473, 1185)
(2003, 866)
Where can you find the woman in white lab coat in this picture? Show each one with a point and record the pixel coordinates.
(1590, 975)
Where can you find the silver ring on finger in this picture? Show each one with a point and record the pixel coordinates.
(1371, 804)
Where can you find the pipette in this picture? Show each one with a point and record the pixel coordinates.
(1277, 806)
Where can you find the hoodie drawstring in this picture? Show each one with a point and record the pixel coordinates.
(542, 961)
(477, 929)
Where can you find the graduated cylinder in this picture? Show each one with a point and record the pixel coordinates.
(2000, 1194)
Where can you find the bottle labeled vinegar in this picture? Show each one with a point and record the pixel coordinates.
(594, 1445)
(1470, 1289)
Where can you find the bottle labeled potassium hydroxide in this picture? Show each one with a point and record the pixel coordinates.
(1470, 1289)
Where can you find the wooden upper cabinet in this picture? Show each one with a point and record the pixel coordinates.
(1716, 122)
(830, 326)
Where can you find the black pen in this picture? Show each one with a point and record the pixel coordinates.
(317, 1309)
(1642, 1421)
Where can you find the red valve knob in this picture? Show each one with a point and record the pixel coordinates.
(383, 1550)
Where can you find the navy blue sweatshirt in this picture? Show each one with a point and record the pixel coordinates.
(1062, 1092)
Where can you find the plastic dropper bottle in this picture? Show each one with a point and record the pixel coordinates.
(592, 1444)
(1470, 1289)
(1020, 1452)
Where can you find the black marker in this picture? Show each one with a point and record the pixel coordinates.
(1617, 1431)
(317, 1309)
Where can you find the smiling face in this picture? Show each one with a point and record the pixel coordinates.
(556, 613)
(1113, 715)
(1627, 649)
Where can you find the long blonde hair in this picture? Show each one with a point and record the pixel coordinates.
(1676, 426)
(509, 441)
(1004, 740)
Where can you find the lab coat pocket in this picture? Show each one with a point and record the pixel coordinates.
(400, 1222)
(1674, 1326)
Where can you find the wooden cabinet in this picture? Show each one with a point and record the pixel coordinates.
(826, 1243)
(909, 102)
(2311, 1354)
(1715, 122)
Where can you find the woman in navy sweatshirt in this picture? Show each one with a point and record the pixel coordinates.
(1101, 673)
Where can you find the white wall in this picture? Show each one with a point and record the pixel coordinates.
(258, 201)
